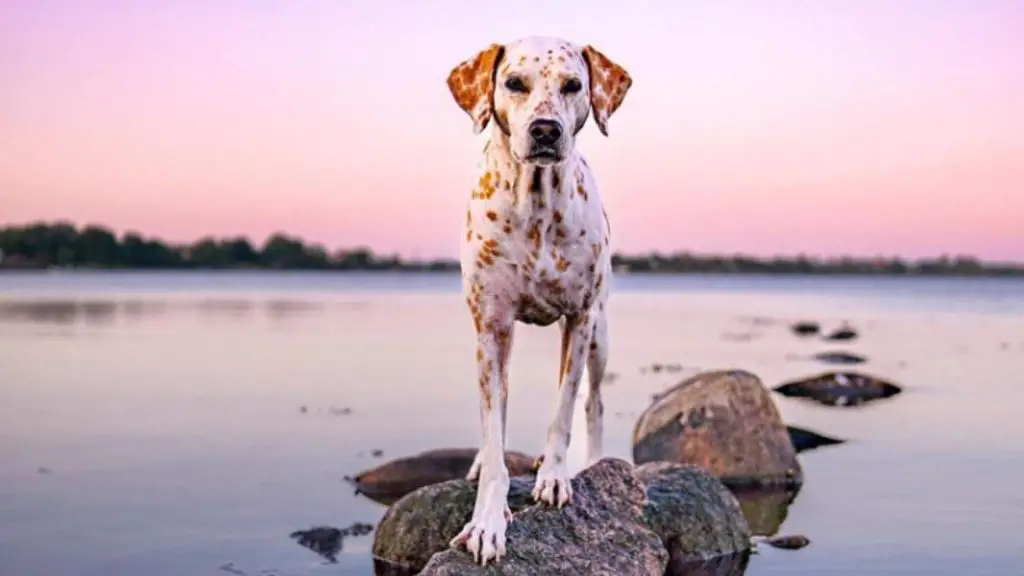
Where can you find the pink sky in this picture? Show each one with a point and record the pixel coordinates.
(774, 126)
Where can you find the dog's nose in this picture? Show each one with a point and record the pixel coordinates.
(545, 132)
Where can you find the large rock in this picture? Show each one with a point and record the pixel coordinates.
(601, 533)
(697, 517)
(673, 524)
(724, 422)
(388, 482)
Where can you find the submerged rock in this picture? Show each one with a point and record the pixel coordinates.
(839, 388)
(679, 519)
(841, 334)
(327, 541)
(388, 482)
(724, 422)
(804, 439)
(839, 358)
(793, 542)
(805, 328)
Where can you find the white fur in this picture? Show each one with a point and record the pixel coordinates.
(535, 249)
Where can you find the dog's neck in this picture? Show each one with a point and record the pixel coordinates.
(532, 187)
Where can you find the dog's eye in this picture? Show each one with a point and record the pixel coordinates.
(515, 84)
(571, 86)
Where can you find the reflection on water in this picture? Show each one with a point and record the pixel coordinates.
(107, 311)
(765, 510)
(171, 433)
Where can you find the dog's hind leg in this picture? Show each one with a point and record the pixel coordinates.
(597, 359)
(553, 476)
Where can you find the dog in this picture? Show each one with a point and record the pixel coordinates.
(535, 249)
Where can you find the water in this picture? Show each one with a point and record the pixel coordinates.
(155, 428)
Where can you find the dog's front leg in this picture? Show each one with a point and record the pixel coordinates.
(553, 484)
(484, 535)
(505, 348)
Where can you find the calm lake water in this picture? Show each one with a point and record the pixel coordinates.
(154, 427)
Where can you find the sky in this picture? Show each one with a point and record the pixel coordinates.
(860, 127)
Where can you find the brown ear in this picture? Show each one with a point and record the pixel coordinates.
(609, 83)
(472, 85)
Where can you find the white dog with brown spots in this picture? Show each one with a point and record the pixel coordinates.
(535, 250)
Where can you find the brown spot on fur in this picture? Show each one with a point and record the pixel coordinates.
(535, 184)
(507, 229)
(486, 187)
(582, 191)
(562, 264)
(492, 215)
(556, 216)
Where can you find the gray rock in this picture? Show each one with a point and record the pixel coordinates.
(602, 532)
(660, 518)
(697, 517)
(422, 523)
(724, 422)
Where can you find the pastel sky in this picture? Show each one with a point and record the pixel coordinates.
(762, 126)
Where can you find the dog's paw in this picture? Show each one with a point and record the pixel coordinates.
(553, 485)
(484, 535)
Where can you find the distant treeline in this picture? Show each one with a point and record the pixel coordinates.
(61, 244)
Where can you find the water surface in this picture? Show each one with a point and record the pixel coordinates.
(150, 423)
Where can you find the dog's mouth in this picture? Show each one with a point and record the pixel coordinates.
(544, 155)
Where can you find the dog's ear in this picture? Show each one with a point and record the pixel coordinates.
(609, 83)
(472, 85)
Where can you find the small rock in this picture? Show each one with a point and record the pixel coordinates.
(659, 368)
(805, 328)
(230, 568)
(327, 541)
(609, 377)
(804, 439)
(841, 334)
(324, 540)
(340, 411)
(43, 470)
(388, 482)
(303, 409)
(839, 389)
(793, 542)
(376, 453)
(724, 422)
(839, 358)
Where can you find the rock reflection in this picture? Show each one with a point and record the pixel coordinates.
(105, 311)
(765, 509)
(731, 565)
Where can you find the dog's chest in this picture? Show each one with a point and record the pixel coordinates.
(558, 255)
(538, 241)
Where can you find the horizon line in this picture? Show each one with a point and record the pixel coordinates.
(652, 252)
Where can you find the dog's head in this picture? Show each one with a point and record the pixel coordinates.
(540, 92)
